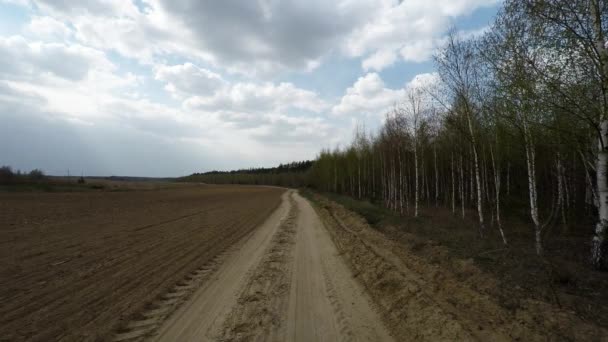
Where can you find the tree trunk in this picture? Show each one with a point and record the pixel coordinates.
(599, 251)
(453, 187)
(477, 176)
(508, 178)
(531, 166)
(436, 176)
(359, 176)
(462, 195)
(400, 181)
(479, 198)
(561, 206)
(598, 246)
(336, 176)
(471, 168)
(416, 178)
(497, 188)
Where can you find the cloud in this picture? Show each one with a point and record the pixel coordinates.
(22, 59)
(379, 60)
(96, 7)
(411, 28)
(368, 95)
(44, 27)
(258, 97)
(238, 119)
(187, 79)
(248, 37)
(424, 81)
(287, 130)
(267, 35)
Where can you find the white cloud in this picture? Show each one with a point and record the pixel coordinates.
(248, 37)
(368, 95)
(410, 27)
(287, 130)
(418, 51)
(187, 79)
(24, 3)
(265, 36)
(48, 28)
(67, 8)
(424, 81)
(258, 97)
(379, 60)
(20, 58)
(243, 118)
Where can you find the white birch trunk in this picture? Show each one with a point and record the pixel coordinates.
(400, 181)
(453, 187)
(416, 178)
(479, 198)
(436, 176)
(471, 168)
(359, 176)
(373, 178)
(407, 188)
(477, 175)
(462, 195)
(531, 166)
(497, 188)
(598, 248)
(560, 189)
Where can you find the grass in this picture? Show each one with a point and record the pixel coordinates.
(372, 213)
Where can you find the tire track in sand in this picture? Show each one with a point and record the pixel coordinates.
(259, 313)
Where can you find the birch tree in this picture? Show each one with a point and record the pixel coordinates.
(456, 64)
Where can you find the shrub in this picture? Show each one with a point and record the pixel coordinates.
(36, 175)
(6, 174)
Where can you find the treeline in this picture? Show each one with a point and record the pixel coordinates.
(9, 177)
(518, 115)
(294, 174)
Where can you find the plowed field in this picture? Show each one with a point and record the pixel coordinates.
(77, 266)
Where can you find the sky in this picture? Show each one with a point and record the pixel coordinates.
(165, 88)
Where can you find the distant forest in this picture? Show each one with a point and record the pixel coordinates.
(294, 174)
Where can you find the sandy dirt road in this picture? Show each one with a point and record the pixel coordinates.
(284, 282)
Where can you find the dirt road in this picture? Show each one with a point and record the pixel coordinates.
(285, 282)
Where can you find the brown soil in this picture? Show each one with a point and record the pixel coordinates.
(424, 293)
(78, 266)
